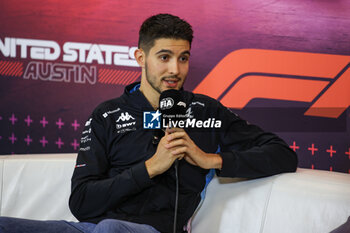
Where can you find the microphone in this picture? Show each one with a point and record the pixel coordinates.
(173, 109)
(172, 106)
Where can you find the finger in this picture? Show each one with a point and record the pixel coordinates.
(168, 130)
(173, 130)
(178, 151)
(181, 156)
(175, 143)
(176, 135)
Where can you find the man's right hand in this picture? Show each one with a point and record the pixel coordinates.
(162, 160)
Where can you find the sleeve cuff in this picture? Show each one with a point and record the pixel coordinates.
(141, 176)
(228, 168)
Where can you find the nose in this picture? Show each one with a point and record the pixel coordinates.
(173, 67)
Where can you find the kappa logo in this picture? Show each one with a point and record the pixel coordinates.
(323, 80)
(125, 116)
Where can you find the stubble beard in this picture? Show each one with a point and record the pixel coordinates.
(151, 80)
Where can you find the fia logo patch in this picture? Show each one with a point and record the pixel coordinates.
(166, 103)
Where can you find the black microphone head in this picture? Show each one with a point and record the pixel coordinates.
(171, 102)
(172, 107)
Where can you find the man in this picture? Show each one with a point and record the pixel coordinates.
(122, 175)
(124, 180)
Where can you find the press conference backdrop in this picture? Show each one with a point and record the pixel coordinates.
(284, 65)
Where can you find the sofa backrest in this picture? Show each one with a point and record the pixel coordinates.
(304, 202)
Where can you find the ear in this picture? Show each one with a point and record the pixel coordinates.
(140, 57)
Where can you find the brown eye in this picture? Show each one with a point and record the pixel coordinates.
(183, 59)
(164, 57)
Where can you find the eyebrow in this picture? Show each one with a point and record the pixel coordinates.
(171, 52)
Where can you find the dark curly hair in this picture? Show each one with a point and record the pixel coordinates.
(163, 26)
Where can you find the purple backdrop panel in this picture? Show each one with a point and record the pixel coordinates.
(60, 59)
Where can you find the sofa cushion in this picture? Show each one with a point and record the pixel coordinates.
(305, 202)
(37, 186)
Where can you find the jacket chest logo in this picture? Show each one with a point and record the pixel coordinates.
(125, 123)
(125, 116)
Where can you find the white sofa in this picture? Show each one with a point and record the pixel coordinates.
(38, 187)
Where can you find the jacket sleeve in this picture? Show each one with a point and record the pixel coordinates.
(94, 191)
(249, 152)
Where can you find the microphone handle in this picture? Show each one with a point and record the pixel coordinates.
(176, 165)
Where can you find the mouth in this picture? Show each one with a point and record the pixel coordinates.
(171, 82)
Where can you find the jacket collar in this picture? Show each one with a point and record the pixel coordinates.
(134, 97)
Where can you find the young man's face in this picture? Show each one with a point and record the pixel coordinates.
(167, 64)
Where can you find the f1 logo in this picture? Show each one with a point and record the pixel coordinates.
(320, 79)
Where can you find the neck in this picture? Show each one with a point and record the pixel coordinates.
(151, 95)
(153, 101)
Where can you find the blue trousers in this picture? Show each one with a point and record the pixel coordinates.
(18, 225)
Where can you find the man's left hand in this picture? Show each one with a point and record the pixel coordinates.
(193, 154)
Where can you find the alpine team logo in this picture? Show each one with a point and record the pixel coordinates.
(183, 104)
(151, 120)
(125, 116)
